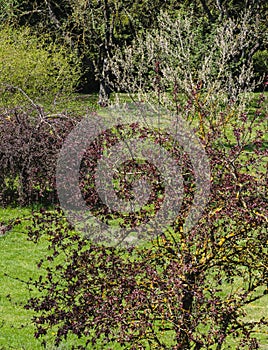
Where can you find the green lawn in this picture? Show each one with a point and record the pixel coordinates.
(18, 263)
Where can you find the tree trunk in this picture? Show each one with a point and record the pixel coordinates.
(183, 338)
(104, 90)
(105, 51)
(207, 10)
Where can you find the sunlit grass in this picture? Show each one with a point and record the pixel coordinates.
(18, 263)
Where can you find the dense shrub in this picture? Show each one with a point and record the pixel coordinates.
(35, 66)
(29, 143)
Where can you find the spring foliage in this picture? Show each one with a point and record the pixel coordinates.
(34, 65)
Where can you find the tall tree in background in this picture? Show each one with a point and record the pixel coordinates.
(94, 27)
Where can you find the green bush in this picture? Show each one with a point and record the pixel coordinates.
(260, 61)
(34, 66)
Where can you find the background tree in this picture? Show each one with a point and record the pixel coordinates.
(93, 28)
(175, 60)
